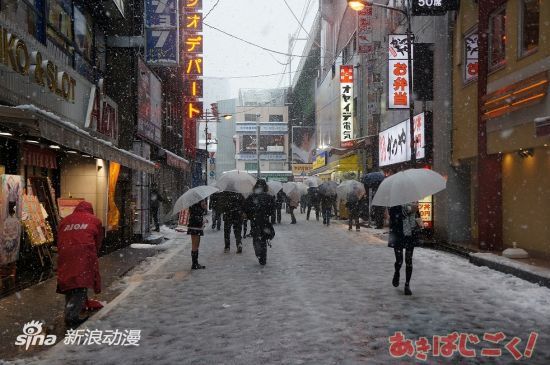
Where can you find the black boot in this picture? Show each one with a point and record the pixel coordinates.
(239, 248)
(226, 249)
(195, 258)
(395, 281)
(407, 290)
(408, 272)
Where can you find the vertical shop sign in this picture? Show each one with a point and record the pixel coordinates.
(149, 104)
(425, 207)
(192, 46)
(161, 32)
(346, 105)
(399, 73)
(471, 56)
(364, 31)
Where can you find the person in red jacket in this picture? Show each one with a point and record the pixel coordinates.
(78, 241)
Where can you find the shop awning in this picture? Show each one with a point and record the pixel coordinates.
(176, 161)
(64, 133)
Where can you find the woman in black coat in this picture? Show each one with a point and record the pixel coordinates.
(403, 232)
(195, 228)
(258, 208)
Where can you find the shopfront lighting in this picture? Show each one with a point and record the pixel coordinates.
(356, 5)
(227, 116)
(6, 134)
(86, 156)
(54, 147)
(31, 141)
(72, 152)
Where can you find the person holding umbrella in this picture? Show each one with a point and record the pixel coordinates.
(314, 201)
(353, 204)
(258, 208)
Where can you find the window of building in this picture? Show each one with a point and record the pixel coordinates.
(276, 118)
(250, 117)
(36, 22)
(529, 31)
(497, 38)
(59, 20)
(83, 33)
(250, 166)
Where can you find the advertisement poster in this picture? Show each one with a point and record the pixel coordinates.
(37, 228)
(269, 143)
(149, 104)
(11, 205)
(394, 143)
(303, 144)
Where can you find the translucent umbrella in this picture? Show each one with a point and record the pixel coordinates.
(312, 182)
(350, 187)
(302, 188)
(290, 187)
(408, 186)
(328, 188)
(237, 181)
(274, 187)
(193, 196)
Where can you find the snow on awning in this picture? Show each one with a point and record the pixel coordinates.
(66, 134)
(176, 161)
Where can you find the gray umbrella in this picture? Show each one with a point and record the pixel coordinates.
(373, 179)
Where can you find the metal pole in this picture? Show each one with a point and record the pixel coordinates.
(258, 145)
(206, 146)
(410, 73)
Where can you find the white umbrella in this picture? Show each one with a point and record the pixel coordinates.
(408, 186)
(193, 196)
(290, 187)
(302, 188)
(328, 188)
(274, 187)
(312, 182)
(237, 181)
(350, 187)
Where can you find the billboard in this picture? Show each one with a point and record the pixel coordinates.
(394, 143)
(149, 104)
(161, 32)
(268, 143)
(303, 144)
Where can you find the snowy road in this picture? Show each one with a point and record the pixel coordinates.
(325, 297)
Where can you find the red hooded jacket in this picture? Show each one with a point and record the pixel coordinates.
(78, 241)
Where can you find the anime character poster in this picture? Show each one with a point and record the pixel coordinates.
(11, 204)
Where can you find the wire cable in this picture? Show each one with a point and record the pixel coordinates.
(247, 76)
(211, 9)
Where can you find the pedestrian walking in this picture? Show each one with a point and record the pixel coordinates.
(258, 207)
(335, 205)
(232, 205)
(326, 207)
(79, 239)
(155, 200)
(280, 199)
(195, 228)
(216, 211)
(303, 203)
(354, 207)
(403, 236)
(293, 202)
(314, 201)
(245, 227)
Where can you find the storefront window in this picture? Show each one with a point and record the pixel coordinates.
(60, 24)
(497, 38)
(530, 10)
(83, 32)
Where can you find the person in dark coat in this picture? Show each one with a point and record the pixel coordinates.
(232, 206)
(303, 203)
(155, 200)
(314, 200)
(326, 207)
(335, 205)
(354, 207)
(195, 228)
(216, 211)
(280, 199)
(79, 239)
(258, 208)
(403, 236)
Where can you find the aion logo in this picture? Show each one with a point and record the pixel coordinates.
(32, 335)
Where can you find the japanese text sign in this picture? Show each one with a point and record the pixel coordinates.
(161, 32)
(364, 30)
(470, 56)
(399, 73)
(394, 143)
(346, 105)
(433, 7)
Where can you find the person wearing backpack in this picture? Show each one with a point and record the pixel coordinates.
(258, 208)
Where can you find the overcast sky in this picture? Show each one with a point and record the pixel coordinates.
(265, 22)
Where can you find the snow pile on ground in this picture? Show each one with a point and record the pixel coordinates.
(540, 271)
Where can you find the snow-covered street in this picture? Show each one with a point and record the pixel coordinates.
(324, 297)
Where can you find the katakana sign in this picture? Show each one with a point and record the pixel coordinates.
(399, 73)
(395, 143)
(161, 32)
(346, 105)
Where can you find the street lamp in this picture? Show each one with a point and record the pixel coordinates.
(359, 5)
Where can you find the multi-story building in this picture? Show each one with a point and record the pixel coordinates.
(226, 137)
(267, 109)
(501, 131)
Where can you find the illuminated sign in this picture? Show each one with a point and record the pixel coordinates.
(301, 168)
(471, 57)
(399, 73)
(346, 105)
(433, 7)
(320, 160)
(425, 207)
(395, 143)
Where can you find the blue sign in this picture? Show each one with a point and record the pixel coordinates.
(161, 32)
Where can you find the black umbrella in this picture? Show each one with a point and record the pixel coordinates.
(373, 179)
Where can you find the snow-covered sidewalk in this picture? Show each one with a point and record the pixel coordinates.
(325, 297)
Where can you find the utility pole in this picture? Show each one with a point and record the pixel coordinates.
(258, 145)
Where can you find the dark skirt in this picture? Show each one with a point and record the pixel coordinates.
(406, 242)
(195, 232)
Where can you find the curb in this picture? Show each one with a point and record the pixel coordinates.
(525, 273)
